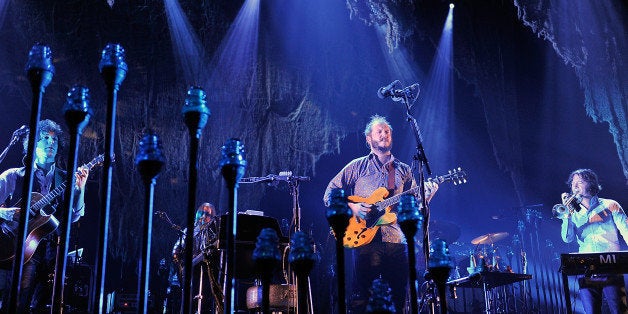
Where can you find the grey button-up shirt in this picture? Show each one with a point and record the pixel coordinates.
(364, 175)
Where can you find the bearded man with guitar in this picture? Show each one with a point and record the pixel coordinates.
(47, 178)
(369, 179)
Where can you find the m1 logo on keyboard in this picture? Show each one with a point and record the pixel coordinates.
(609, 259)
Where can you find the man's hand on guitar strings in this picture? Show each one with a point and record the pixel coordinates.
(81, 177)
(9, 213)
(360, 209)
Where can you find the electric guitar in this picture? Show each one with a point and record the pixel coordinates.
(39, 226)
(358, 233)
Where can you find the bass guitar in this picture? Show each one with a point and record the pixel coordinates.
(361, 232)
(39, 226)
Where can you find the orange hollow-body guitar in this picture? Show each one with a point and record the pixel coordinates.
(358, 233)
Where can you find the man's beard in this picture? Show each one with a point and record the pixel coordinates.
(382, 149)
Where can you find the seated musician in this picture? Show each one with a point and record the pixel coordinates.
(205, 253)
(595, 223)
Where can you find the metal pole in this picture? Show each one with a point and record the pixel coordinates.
(39, 71)
(113, 70)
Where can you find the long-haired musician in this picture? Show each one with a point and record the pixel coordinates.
(205, 277)
(47, 176)
(595, 223)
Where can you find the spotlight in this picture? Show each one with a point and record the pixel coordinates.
(451, 5)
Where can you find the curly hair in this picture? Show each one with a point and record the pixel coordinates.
(47, 126)
(588, 176)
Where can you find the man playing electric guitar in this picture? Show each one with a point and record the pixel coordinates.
(46, 177)
(385, 255)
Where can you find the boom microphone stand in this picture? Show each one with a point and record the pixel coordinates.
(39, 70)
(405, 95)
(77, 115)
(113, 69)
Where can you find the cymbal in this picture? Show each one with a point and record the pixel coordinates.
(489, 238)
(445, 230)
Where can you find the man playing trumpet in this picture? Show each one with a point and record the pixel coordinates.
(596, 224)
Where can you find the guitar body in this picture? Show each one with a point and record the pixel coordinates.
(358, 233)
(38, 228)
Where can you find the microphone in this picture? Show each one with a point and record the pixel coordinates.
(411, 92)
(386, 91)
(19, 133)
(286, 176)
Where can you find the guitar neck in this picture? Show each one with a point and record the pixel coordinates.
(46, 199)
(395, 199)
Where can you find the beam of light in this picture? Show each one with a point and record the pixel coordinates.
(396, 60)
(437, 112)
(235, 60)
(188, 51)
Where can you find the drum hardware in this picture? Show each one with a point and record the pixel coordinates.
(282, 297)
(489, 238)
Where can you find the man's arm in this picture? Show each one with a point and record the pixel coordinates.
(342, 180)
(567, 230)
(620, 218)
(78, 208)
(7, 184)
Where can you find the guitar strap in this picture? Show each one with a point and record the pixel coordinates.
(390, 167)
(59, 177)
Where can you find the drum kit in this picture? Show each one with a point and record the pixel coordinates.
(480, 253)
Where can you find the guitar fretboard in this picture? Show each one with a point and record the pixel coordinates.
(46, 199)
(457, 176)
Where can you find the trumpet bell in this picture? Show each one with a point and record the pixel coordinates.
(560, 211)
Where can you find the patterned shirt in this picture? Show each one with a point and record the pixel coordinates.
(42, 183)
(596, 229)
(362, 176)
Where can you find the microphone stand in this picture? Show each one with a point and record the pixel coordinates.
(77, 115)
(195, 114)
(149, 162)
(113, 69)
(39, 70)
(303, 284)
(422, 165)
(14, 139)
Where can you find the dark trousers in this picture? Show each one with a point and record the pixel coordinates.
(388, 261)
(36, 285)
(609, 288)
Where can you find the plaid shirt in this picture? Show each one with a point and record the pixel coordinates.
(362, 176)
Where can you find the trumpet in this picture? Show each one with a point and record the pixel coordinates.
(570, 204)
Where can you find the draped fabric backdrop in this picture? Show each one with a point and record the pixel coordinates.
(293, 106)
